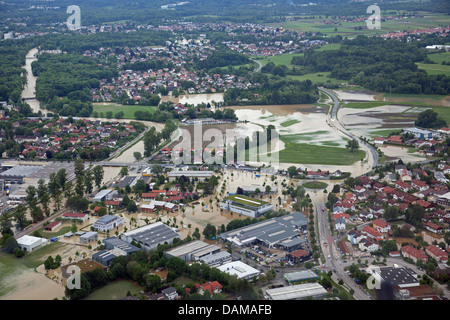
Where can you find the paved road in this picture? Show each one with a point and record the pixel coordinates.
(259, 66)
(334, 121)
(331, 254)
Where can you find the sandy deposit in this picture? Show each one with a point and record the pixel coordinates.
(305, 123)
(37, 284)
(395, 153)
(355, 95)
(363, 121)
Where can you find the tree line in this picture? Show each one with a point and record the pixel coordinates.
(383, 65)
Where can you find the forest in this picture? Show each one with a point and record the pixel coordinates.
(65, 80)
(377, 64)
(222, 58)
(272, 91)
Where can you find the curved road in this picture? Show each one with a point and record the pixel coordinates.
(372, 154)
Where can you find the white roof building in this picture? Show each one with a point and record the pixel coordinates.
(240, 269)
(29, 243)
(296, 292)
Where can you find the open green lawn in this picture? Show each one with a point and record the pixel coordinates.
(115, 290)
(282, 59)
(434, 69)
(312, 154)
(127, 110)
(315, 185)
(317, 78)
(439, 57)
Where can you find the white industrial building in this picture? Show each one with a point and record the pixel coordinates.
(107, 223)
(30, 243)
(240, 269)
(296, 292)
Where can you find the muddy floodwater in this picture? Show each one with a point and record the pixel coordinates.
(195, 99)
(364, 121)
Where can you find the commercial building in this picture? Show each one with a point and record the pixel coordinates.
(114, 247)
(102, 195)
(191, 251)
(283, 232)
(216, 259)
(239, 269)
(30, 243)
(420, 133)
(75, 216)
(401, 277)
(107, 223)
(300, 276)
(88, 237)
(18, 173)
(151, 235)
(53, 226)
(296, 292)
(248, 206)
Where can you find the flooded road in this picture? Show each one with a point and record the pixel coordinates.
(29, 92)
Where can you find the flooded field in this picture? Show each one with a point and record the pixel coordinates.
(297, 123)
(355, 95)
(363, 121)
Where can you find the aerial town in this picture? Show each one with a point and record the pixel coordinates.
(334, 184)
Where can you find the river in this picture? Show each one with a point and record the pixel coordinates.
(29, 90)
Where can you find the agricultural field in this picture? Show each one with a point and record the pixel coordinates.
(332, 27)
(437, 67)
(128, 111)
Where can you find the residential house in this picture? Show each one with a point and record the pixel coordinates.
(339, 223)
(381, 226)
(437, 253)
(413, 254)
(419, 185)
(212, 287)
(430, 226)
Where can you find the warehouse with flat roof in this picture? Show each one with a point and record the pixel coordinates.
(296, 292)
(300, 276)
(280, 232)
(151, 235)
(239, 269)
(248, 206)
(192, 250)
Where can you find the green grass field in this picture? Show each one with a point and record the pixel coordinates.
(317, 78)
(312, 154)
(315, 185)
(282, 59)
(115, 290)
(127, 110)
(353, 29)
(434, 69)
